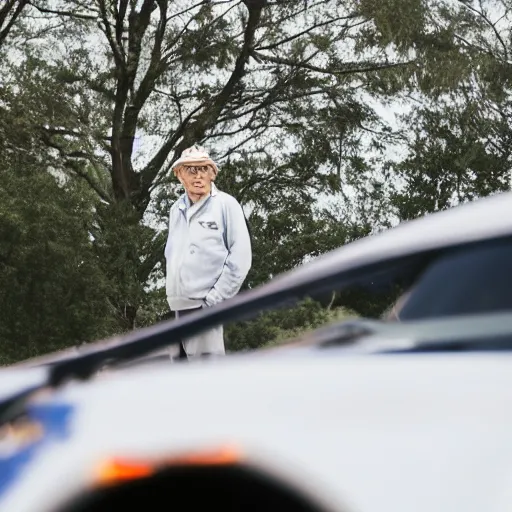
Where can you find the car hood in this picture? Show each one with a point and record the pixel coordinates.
(368, 433)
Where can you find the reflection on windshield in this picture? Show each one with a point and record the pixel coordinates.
(369, 297)
(464, 281)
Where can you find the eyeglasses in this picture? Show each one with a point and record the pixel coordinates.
(194, 170)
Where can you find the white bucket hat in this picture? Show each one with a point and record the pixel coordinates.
(195, 155)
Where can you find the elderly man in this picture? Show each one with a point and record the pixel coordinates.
(208, 250)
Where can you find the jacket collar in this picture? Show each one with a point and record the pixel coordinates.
(185, 201)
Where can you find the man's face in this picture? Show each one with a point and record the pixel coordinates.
(197, 180)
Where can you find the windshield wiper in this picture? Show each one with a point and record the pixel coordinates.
(479, 332)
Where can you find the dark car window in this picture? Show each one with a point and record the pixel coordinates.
(473, 280)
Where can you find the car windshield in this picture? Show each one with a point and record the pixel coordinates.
(463, 283)
(471, 280)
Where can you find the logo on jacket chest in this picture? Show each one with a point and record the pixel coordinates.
(208, 224)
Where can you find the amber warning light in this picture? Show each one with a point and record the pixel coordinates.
(117, 470)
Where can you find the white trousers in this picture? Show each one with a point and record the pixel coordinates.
(208, 342)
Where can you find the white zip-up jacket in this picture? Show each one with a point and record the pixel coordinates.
(208, 252)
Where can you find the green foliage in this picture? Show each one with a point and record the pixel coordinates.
(275, 327)
(52, 292)
(457, 154)
(401, 22)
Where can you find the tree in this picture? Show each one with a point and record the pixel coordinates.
(460, 146)
(457, 154)
(153, 76)
(9, 13)
(52, 291)
(279, 90)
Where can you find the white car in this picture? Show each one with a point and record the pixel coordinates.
(411, 412)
